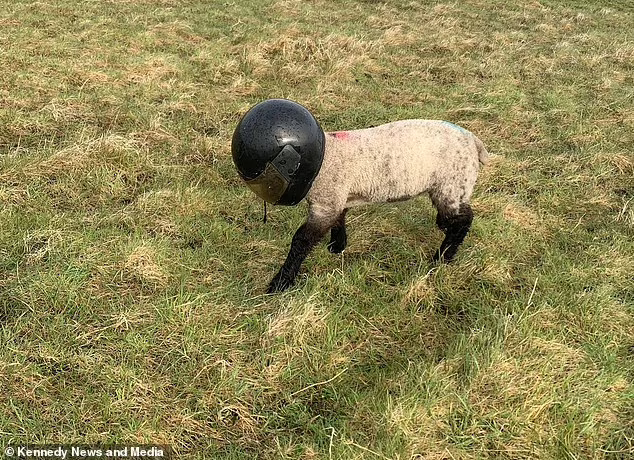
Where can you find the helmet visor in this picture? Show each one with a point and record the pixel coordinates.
(270, 185)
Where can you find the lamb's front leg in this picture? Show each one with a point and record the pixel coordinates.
(304, 240)
(338, 237)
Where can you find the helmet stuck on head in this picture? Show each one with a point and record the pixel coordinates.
(278, 148)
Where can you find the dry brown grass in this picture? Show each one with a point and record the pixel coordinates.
(143, 265)
(133, 259)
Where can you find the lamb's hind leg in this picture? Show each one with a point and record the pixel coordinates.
(456, 225)
(338, 237)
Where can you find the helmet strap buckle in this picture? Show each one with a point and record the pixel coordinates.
(287, 161)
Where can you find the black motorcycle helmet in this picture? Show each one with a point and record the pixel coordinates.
(278, 148)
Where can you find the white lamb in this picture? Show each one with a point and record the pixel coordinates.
(387, 163)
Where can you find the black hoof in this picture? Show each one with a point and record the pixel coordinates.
(440, 257)
(279, 284)
(337, 247)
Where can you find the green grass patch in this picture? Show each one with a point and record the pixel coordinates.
(133, 260)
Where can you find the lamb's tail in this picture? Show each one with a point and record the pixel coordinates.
(483, 155)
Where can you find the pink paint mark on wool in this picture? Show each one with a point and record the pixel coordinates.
(341, 134)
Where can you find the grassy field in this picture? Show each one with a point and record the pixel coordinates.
(133, 261)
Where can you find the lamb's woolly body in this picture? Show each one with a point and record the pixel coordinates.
(391, 162)
(395, 162)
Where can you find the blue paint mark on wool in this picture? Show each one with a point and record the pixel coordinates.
(459, 128)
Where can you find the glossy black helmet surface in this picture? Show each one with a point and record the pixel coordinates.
(278, 148)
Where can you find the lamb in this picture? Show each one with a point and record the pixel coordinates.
(388, 163)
